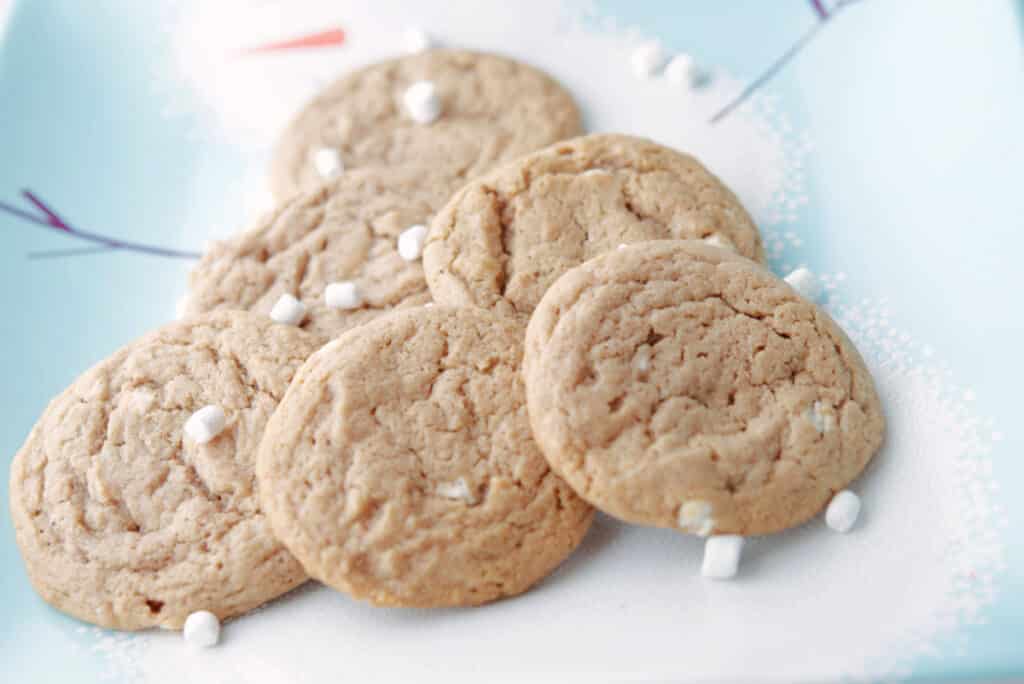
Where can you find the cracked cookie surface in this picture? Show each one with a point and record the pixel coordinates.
(345, 230)
(400, 467)
(679, 385)
(505, 237)
(492, 109)
(125, 522)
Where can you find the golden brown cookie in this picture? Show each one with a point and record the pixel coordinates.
(504, 238)
(680, 385)
(344, 231)
(126, 522)
(400, 468)
(491, 109)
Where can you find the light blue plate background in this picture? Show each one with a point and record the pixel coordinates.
(915, 107)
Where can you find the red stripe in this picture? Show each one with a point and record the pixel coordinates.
(330, 38)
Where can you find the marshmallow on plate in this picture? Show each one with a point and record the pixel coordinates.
(722, 556)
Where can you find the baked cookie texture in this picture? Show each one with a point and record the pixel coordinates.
(679, 385)
(125, 522)
(346, 229)
(492, 109)
(505, 237)
(400, 467)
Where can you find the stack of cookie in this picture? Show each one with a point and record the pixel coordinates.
(414, 379)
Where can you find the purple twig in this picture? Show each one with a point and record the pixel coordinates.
(71, 251)
(51, 219)
(51, 216)
(22, 214)
(787, 56)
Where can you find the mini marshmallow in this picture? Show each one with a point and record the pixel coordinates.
(422, 102)
(205, 424)
(288, 310)
(717, 240)
(622, 245)
(458, 491)
(642, 359)
(842, 512)
(805, 283)
(681, 70)
(410, 242)
(202, 629)
(327, 162)
(816, 414)
(648, 59)
(142, 400)
(181, 306)
(722, 556)
(343, 295)
(695, 516)
(416, 40)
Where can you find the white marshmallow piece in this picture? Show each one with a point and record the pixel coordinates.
(843, 511)
(288, 310)
(456, 491)
(327, 162)
(821, 421)
(416, 40)
(422, 102)
(205, 424)
(805, 283)
(410, 242)
(622, 245)
(642, 360)
(722, 556)
(696, 517)
(343, 295)
(141, 400)
(202, 629)
(181, 306)
(681, 70)
(648, 59)
(717, 240)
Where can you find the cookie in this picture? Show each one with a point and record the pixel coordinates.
(487, 108)
(680, 385)
(400, 468)
(504, 238)
(345, 231)
(123, 520)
